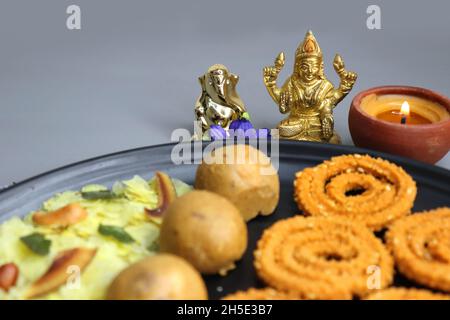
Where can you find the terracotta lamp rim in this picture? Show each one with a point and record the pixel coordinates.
(423, 142)
(403, 90)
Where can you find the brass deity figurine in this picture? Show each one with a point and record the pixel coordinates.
(219, 103)
(307, 95)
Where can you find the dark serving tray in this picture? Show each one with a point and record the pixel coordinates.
(433, 190)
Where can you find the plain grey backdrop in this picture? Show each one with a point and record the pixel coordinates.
(129, 76)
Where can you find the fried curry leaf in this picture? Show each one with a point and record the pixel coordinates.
(153, 247)
(99, 195)
(116, 232)
(37, 243)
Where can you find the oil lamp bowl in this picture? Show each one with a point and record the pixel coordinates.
(426, 142)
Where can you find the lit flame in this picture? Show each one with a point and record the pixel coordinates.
(405, 108)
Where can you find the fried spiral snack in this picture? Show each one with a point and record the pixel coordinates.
(406, 294)
(321, 258)
(386, 191)
(420, 245)
(260, 294)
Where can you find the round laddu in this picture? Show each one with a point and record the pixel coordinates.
(242, 174)
(159, 277)
(205, 229)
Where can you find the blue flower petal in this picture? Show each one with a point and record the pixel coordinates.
(234, 125)
(216, 132)
(241, 124)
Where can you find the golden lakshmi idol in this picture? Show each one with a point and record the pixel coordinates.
(307, 95)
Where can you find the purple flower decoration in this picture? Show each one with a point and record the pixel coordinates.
(240, 128)
(216, 132)
(242, 124)
(243, 128)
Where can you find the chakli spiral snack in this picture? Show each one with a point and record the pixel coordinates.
(386, 191)
(260, 294)
(406, 294)
(321, 258)
(420, 245)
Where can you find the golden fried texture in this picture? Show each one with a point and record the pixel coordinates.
(158, 277)
(420, 245)
(387, 192)
(244, 175)
(321, 258)
(406, 294)
(205, 229)
(260, 294)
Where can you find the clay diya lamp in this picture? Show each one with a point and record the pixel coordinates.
(408, 121)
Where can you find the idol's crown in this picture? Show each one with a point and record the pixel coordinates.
(309, 47)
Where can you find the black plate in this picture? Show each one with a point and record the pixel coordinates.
(433, 190)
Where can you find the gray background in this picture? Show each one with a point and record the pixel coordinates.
(129, 76)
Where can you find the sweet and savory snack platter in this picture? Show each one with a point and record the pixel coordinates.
(316, 229)
(330, 222)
